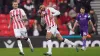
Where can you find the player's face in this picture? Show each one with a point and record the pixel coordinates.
(15, 5)
(82, 10)
(91, 11)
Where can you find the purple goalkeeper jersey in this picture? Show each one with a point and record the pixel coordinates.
(83, 23)
(83, 20)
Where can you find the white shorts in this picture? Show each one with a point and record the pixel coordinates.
(53, 30)
(20, 33)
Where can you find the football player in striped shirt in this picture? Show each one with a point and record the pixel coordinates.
(17, 18)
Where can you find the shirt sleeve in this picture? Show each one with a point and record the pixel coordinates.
(22, 12)
(54, 11)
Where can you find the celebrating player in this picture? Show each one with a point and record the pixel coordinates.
(83, 19)
(48, 14)
(18, 17)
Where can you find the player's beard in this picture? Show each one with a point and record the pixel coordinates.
(43, 9)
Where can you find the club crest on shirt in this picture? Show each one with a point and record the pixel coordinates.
(85, 16)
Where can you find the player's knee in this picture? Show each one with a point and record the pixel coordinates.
(59, 37)
(63, 40)
(48, 38)
(26, 39)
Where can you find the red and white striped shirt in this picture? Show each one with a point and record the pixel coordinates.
(49, 11)
(17, 15)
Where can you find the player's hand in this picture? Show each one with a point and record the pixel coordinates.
(94, 24)
(72, 30)
(94, 29)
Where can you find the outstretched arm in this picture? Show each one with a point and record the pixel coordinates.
(55, 12)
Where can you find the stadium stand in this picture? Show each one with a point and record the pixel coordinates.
(5, 18)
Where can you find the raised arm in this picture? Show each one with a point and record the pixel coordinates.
(55, 12)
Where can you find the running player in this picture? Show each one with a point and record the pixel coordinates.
(83, 19)
(48, 14)
(18, 17)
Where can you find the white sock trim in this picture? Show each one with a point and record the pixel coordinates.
(69, 42)
(29, 43)
(49, 46)
(20, 46)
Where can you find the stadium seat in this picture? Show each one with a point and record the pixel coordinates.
(11, 33)
(7, 33)
(1, 34)
(63, 30)
(62, 27)
(59, 22)
(4, 21)
(2, 16)
(31, 22)
(3, 27)
(8, 17)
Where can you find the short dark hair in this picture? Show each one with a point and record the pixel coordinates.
(14, 1)
(82, 8)
(92, 10)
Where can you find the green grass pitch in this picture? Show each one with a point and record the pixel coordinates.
(56, 52)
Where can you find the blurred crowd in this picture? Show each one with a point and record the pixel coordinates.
(68, 8)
